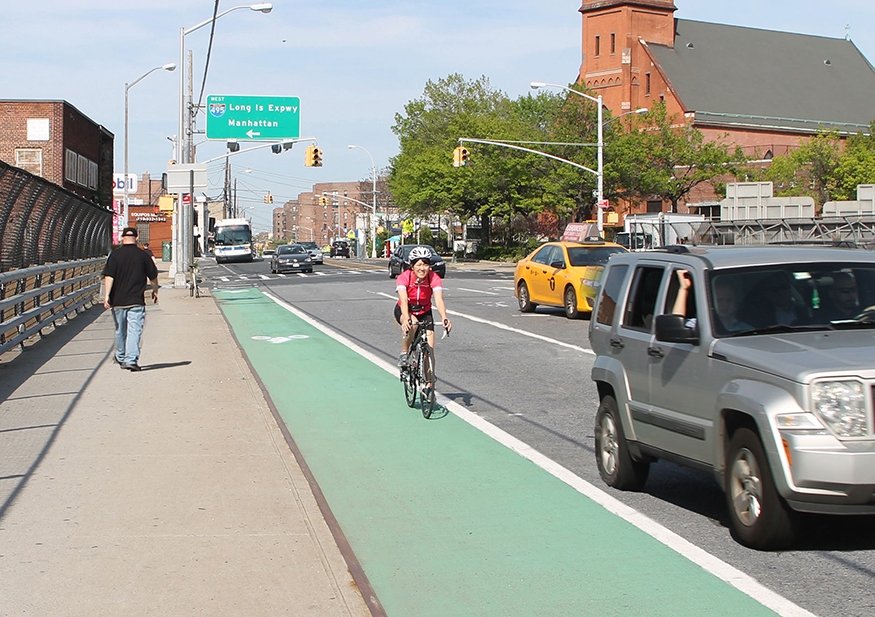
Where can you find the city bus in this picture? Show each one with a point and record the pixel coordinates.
(232, 240)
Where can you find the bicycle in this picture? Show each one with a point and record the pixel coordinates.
(418, 373)
(193, 289)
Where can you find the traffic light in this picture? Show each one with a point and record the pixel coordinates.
(313, 157)
(457, 156)
(268, 199)
(463, 156)
(233, 146)
(323, 201)
(276, 148)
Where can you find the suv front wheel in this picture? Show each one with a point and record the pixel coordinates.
(760, 518)
(615, 463)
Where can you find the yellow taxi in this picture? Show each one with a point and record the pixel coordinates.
(565, 274)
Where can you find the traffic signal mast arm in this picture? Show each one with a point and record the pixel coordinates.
(265, 145)
(504, 144)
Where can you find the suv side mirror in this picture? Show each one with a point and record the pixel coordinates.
(671, 329)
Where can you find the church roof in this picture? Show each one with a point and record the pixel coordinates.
(738, 77)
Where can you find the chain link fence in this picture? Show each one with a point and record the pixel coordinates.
(42, 223)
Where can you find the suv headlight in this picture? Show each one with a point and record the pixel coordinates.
(842, 406)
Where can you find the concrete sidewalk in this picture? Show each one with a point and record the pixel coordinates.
(171, 491)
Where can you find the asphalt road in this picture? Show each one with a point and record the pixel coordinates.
(529, 375)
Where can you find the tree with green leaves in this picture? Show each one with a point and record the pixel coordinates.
(664, 157)
(812, 169)
(496, 183)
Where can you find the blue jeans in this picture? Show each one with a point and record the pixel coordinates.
(128, 330)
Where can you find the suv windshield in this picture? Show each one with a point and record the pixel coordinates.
(803, 296)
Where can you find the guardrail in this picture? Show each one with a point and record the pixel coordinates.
(33, 298)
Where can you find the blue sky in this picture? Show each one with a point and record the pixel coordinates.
(354, 65)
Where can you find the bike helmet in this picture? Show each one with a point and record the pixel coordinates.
(419, 252)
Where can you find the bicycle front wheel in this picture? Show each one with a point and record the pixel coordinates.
(408, 378)
(426, 377)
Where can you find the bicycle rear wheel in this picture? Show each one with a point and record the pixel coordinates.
(426, 376)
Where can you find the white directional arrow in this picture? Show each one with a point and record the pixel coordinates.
(250, 133)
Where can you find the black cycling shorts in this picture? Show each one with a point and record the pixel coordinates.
(426, 320)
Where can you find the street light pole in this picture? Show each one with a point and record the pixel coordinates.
(170, 66)
(600, 174)
(182, 217)
(374, 197)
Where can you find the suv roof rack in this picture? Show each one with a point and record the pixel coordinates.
(677, 248)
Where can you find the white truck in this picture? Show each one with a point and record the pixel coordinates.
(649, 231)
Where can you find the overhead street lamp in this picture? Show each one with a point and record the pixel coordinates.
(374, 196)
(170, 66)
(182, 228)
(600, 173)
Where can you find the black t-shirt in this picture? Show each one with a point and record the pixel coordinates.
(130, 267)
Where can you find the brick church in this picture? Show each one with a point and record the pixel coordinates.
(768, 90)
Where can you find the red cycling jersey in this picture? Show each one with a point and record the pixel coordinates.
(419, 292)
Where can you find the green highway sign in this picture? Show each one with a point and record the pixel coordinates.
(256, 118)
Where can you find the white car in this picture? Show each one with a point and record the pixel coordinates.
(314, 250)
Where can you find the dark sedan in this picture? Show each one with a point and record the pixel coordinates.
(399, 260)
(340, 248)
(291, 258)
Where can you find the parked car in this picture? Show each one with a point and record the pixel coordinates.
(268, 253)
(753, 363)
(562, 274)
(399, 260)
(340, 248)
(314, 250)
(291, 258)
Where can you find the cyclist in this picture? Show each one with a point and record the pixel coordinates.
(416, 288)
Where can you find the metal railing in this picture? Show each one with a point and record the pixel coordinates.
(41, 222)
(33, 298)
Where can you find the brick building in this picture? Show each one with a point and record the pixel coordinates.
(766, 89)
(312, 218)
(153, 224)
(55, 141)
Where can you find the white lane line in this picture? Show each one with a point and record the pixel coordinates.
(501, 326)
(719, 568)
(477, 291)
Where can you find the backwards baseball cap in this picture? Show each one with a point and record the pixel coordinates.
(130, 231)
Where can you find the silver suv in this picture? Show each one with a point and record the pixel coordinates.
(754, 363)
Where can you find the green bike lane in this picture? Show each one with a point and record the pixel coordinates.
(444, 519)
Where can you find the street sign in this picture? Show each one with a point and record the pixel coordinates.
(253, 118)
(180, 178)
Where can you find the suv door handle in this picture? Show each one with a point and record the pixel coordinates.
(655, 352)
(617, 343)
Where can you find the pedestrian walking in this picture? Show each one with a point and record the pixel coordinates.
(149, 252)
(125, 274)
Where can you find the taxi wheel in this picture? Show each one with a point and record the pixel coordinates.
(526, 304)
(571, 311)
(760, 518)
